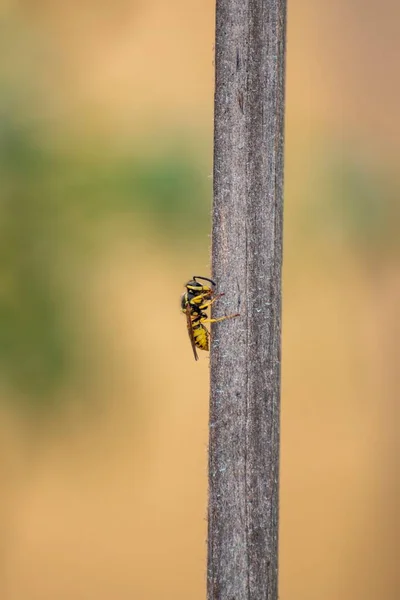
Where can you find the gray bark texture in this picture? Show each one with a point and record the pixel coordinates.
(247, 263)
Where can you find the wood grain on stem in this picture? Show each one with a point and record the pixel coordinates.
(247, 264)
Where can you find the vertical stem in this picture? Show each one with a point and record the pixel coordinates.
(247, 263)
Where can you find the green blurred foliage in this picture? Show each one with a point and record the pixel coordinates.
(355, 203)
(168, 188)
(32, 348)
(50, 201)
(362, 201)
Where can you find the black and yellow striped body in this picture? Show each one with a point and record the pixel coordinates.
(194, 301)
(201, 335)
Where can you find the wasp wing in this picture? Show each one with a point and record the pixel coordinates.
(190, 330)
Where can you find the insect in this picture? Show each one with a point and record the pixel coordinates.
(197, 298)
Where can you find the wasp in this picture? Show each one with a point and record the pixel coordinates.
(197, 298)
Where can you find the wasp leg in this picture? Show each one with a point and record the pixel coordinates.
(209, 302)
(199, 298)
(220, 319)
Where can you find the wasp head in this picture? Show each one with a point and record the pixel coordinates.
(194, 287)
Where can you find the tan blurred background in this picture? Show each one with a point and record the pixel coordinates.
(105, 196)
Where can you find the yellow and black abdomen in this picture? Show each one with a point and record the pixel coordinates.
(201, 336)
(198, 333)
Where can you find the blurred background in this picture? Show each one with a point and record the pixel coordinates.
(105, 195)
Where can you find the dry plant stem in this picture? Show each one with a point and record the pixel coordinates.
(247, 263)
